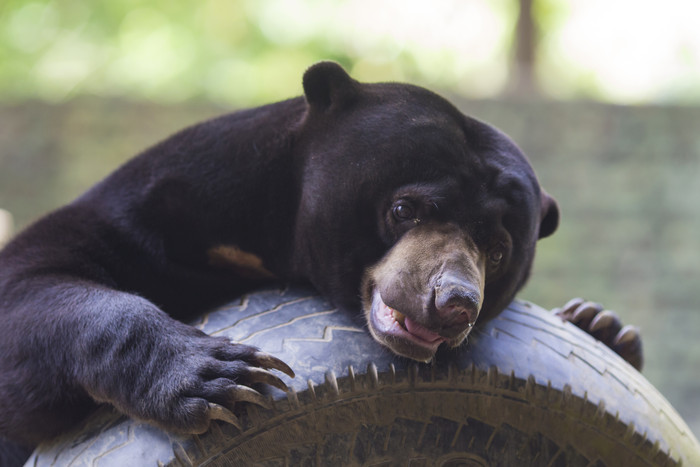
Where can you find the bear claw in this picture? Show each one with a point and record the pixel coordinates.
(258, 375)
(218, 412)
(628, 344)
(628, 334)
(246, 394)
(268, 362)
(584, 313)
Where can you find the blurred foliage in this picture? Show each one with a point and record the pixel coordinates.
(240, 51)
(247, 52)
(158, 49)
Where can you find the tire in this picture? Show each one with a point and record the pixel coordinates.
(528, 389)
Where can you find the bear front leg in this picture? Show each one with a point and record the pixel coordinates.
(171, 374)
(121, 349)
(605, 326)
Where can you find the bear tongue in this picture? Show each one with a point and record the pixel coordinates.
(421, 332)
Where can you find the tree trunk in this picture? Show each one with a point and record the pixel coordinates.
(523, 81)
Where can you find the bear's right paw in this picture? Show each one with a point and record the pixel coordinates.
(605, 326)
(198, 378)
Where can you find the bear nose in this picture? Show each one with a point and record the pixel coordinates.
(457, 302)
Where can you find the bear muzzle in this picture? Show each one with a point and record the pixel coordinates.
(426, 291)
(405, 335)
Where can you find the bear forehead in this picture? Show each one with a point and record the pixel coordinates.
(423, 151)
(397, 134)
(407, 122)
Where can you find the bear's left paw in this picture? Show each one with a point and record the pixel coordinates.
(605, 326)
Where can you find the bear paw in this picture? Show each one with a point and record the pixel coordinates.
(605, 326)
(196, 379)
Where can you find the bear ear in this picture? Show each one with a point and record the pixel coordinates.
(327, 84)
(549, 215)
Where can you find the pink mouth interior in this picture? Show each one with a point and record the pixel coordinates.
(387, 321)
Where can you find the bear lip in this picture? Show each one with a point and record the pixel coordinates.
(390, 322)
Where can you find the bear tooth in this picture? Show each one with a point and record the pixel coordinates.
(399, 317)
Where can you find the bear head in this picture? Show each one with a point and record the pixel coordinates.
(426, 216)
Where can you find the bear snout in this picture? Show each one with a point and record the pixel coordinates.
(457, 302)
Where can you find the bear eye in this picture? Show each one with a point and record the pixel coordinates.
(496, 256)
(403, 211)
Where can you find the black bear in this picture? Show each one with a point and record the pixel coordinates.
(383, 196)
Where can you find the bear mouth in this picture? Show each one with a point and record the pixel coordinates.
(400, 333)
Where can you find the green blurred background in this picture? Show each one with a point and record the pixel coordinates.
(602, 95)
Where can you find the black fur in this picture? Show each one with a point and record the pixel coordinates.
(91, 295)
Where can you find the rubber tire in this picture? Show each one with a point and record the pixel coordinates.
(528, 389)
